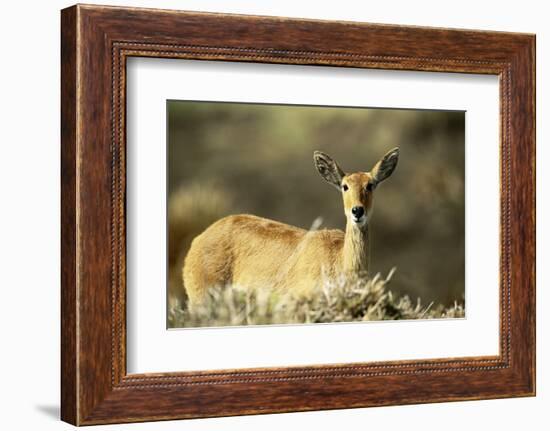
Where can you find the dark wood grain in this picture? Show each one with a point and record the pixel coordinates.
(96, 41)
(69, 367)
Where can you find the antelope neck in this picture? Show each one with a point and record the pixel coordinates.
(355, 253)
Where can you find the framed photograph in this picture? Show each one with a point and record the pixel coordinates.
(264, 214)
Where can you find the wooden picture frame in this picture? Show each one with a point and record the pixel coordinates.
(95, 43)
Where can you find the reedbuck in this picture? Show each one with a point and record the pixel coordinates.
(254, 253)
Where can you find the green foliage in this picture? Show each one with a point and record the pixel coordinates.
(344, 300)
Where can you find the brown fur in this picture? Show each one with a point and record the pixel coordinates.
(251, 252)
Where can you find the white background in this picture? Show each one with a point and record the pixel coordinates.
(153, 349)
(29, 228)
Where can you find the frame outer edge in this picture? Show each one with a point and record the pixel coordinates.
(69, 304)
(533, 56)
(523, 217)
(528, 61)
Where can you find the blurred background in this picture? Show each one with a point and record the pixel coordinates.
(229, 158)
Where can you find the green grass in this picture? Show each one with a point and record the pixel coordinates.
(353, 299)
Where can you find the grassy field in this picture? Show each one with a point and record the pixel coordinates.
(343, 300)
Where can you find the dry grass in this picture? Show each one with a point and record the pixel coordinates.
(342, 300)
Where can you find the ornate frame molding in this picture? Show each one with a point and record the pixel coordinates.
(96, 41)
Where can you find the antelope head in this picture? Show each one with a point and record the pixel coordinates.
(357, 188)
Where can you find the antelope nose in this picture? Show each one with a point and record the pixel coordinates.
(358, 212)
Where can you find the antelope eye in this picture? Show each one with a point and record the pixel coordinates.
(370, 187)
(345, 187)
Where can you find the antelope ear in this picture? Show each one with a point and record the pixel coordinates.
(328, 168)
(385, 166)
